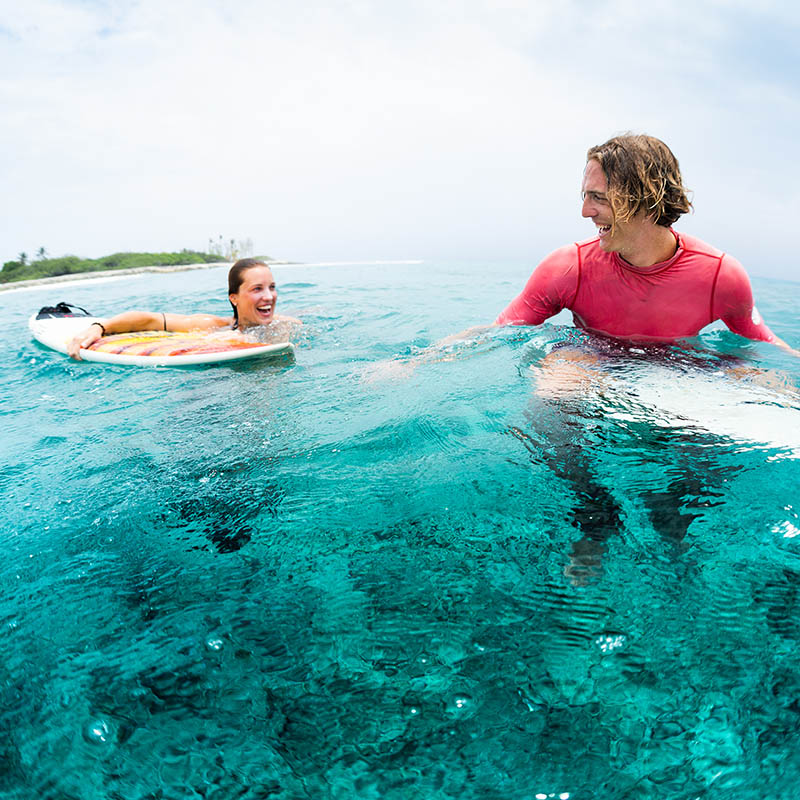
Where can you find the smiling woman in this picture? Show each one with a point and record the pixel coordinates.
(252, 294)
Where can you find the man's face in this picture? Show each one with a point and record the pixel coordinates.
(597, 208)
(637, 239)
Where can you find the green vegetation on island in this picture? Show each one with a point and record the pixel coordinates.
(43, 267)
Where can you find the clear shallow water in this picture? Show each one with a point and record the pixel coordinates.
(293, 581)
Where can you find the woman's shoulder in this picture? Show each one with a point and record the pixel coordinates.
(208, 322)
(285, 318)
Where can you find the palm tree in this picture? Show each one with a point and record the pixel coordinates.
(41, 254)
(23, 258)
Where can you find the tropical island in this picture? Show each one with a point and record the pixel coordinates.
(43, 266)
(23, 270)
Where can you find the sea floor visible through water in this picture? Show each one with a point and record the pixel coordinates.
(337, 577)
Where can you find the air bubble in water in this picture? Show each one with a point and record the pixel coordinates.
(97, 732)
(608, 643)
(458, 705)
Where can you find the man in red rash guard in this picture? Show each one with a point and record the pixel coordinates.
(639, 280)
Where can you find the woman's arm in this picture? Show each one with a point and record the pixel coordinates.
(144, 321)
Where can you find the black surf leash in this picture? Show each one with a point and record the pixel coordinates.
(62, 310)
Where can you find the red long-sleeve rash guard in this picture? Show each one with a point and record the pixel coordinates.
(671, 300)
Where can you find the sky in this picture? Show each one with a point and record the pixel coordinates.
(372, 129)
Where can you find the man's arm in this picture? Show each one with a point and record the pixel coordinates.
(733, 304)
(549, 289)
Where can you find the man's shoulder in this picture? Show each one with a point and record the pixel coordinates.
(562, 260)
(731, 277)
(587, 245)
(569, 253)
(691, 244)
(590, 253)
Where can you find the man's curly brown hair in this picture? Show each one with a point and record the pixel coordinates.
(643, 175)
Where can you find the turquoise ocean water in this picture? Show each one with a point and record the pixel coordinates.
(309, 580)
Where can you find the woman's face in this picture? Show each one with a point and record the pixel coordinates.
(255, 301)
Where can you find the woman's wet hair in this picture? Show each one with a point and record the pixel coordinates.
(643, 175)
(236, 277)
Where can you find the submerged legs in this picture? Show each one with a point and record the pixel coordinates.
(567, 426)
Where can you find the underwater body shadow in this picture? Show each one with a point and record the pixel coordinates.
(225, 511)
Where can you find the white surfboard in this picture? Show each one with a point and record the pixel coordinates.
(715, 402)
(152, 348)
